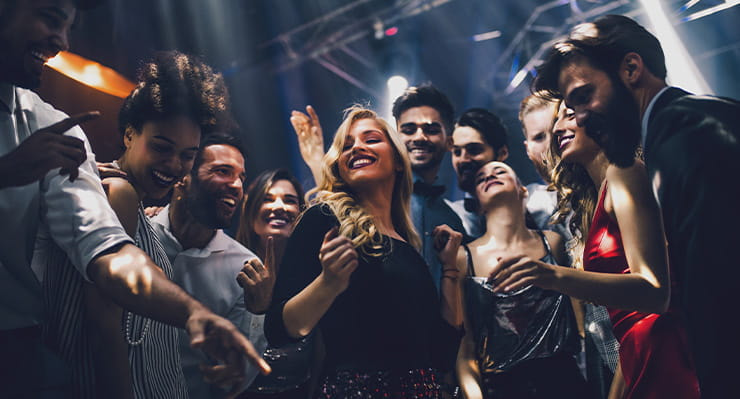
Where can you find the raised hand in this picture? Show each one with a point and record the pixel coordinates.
(44, 150)
(338, 258)
(310, 138)
(223, 342)
(258, 279)
(108, 169)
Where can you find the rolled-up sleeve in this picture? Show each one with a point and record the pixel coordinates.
(77, 213)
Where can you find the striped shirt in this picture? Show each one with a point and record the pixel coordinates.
(155, 362)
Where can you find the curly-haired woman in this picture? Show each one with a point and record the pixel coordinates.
(352, 271)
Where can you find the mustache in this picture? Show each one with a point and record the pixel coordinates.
(469, 167)
(422, 145)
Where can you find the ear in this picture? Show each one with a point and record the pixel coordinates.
(525, 192)
(128, 136)
(503, 153)
(631, 69)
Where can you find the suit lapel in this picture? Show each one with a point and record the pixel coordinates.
(665, 98)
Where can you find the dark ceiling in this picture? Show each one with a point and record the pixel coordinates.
(279, 55)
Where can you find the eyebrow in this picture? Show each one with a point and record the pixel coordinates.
(167, 139)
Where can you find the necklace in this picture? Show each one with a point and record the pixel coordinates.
(129, 323)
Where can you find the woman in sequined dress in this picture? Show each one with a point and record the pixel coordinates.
(351, 269)
(518, 345)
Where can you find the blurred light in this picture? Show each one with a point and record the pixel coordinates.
(487, 36)
(711, 10)
(689, 4)
(682, 71)
(91, 74)
(397, 84)
(518, 79)
(379, 29)
(391, 31)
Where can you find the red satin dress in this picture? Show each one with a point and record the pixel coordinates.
(653, 350)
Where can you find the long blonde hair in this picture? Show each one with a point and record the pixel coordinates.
(577, 196)
(354, 221)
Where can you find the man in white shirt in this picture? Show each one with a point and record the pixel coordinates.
(204, 259)
(49, 183)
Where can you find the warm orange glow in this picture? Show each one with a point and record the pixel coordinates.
(91, 73)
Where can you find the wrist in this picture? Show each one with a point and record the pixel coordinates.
(328, 285)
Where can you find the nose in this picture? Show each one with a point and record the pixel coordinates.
(60, 41)
(279, 204)
(237, 183)
(419, 135)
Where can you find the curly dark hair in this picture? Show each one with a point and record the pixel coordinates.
(426, 95)
(488, 125)
(176, 84)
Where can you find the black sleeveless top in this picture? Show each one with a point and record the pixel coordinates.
(513, 327)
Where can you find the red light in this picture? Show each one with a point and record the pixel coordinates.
(391, 31)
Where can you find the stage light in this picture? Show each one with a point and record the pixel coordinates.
(682, 71)
(391, 31)
(487, 36)
(396, 86)
(517, 80)
(91, 73)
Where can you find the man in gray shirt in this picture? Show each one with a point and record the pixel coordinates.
(206, 261)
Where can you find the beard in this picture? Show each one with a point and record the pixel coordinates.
(618, 129)
(202, 205)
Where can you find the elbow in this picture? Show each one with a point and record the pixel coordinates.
(660, 301)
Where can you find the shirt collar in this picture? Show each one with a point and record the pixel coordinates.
(7, 97)
(219, 242)
(648, 110)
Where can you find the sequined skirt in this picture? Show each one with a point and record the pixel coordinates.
(349, 384)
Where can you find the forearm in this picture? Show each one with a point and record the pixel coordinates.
(302, 312)
(451, 301)
(134, 282)
(621, 291)
(468, 374)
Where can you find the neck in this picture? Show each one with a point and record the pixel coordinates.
(377, 202)
(188, 231)
(643, 95)
(596, 168)
(123, 164)
(428, 175)
(505, 226)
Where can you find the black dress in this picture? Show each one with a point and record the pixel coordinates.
(382, 335)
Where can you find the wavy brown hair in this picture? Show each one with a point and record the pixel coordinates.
(577, 197)
(354, 221)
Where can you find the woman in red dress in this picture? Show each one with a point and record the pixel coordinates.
(624, 261)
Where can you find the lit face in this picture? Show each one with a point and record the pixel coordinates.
(218, 187)
(367, 157)
(278, 211)
(495, 179)
(161, 154)
(604, 106)
(424, 135)
(536, 126)
(469, 153)
(35, 31)
(573, 144)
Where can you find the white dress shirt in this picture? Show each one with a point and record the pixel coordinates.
(75, 216)
(209, 275)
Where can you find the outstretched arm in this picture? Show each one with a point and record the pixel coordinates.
(646, 288)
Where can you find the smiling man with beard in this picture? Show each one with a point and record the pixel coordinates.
(204, 259)
(424, 117)
(612, 73)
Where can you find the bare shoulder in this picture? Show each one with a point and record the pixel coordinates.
(631, 176)
(125, 202)
(120, 188)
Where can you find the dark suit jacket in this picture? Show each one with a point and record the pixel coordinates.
(692, 152)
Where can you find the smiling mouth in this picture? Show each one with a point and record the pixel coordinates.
(565, 140)
(278, 222)
(360, 162)
(229, 202)
(162, 179)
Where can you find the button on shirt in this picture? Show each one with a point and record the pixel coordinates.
(75, 216)
(209, 275)
(429, 210)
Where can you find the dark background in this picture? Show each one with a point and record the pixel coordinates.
(279, 55)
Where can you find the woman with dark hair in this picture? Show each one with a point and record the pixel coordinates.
(273, 202)
(621, 248)
(352, 270)
(177, 99)
(521, 344)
